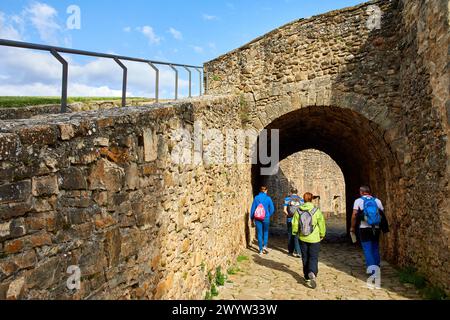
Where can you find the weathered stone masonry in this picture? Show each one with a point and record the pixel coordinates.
(307, 171)
(376, 101)
(99, 190)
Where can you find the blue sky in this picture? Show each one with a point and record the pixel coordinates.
(189, 31)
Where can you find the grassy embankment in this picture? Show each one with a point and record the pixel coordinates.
(20, 102)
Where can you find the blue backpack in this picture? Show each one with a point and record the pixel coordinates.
(371, 212)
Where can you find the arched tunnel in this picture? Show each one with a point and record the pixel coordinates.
(354, 142)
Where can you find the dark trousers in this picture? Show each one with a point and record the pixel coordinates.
(293, 243)
(310, 258)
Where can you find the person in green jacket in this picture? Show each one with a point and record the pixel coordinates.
(309, 225)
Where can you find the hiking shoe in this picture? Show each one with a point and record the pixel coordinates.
(265, 250)
(260, 253)
(312, 280)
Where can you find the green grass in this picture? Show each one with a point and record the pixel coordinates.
(20, 102)
(233, 270)
(214, 291)
(220, 277)
(427, 290)
(242, 258)
(410, 275)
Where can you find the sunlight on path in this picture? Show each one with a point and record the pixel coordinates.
(277, 276)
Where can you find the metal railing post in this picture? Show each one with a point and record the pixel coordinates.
(124, 82)
(190, 80)
(156, 81)
(200, 82)
(176, 80)
(205, 75)
(65, 79)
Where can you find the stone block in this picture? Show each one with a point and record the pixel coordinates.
(112, 247)
(104, 221)
(67, 131)
(15, 289)
(13, 246)
(44, 204)
(73, 179)
(15, 192)
(17, 228)
(45, 186)
(132, 177)
(8, 146)
(150, 145)
(5, 230)
(39, 240)
(101, 142)
(38, 135)
(105, 175)
(47, 274)
(92, 259)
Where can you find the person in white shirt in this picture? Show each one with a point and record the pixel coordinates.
(369, 234)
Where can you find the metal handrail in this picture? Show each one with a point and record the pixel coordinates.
(56, 51)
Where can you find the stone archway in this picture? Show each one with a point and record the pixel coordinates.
(357, 145)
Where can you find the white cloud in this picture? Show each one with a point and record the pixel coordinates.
(75, 89)
(26, 73)
(212, 46)
(150, 34)
(34, 73)
(43, 18)
(127, 29)
(209, 17)
(176, 34)
(198, 49)
(7, 29)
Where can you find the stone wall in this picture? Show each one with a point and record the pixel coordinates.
(376, 101)
(424, 89)
(99, 190)
(308, 171)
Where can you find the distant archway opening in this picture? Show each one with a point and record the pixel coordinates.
(316, 172)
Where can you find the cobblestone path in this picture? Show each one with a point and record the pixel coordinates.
(277, 276)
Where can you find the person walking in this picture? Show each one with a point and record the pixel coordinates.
(260, 213)
(368, 215)
(291, 204)
(309, 225)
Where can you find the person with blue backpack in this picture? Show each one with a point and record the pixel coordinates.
(292, 203)
(368, 212)
(260, 213)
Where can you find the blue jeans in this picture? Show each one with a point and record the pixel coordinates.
(262, 231)
(293, 243)
(370, 245)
